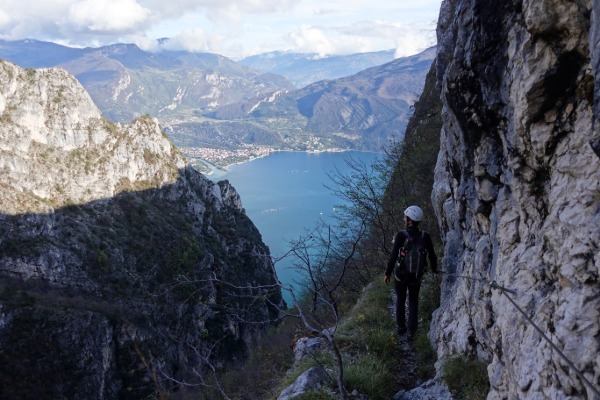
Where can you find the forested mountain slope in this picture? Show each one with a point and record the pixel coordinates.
(363, 111)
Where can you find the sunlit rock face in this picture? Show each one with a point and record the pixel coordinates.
(517, 192)
(57, 149)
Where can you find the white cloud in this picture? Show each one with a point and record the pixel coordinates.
(143, 42)
(28, 18)
(311, 40)
(323, 11)
(234, 28)
(218, 10)
(407, 39)
(108, 15)
(363, 36)
(326, 42)
(4, 20)
(195, 40)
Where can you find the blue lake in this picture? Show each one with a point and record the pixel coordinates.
(284, 195)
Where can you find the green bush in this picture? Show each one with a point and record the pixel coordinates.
(466, 377)
(103, 260)
(376, 338)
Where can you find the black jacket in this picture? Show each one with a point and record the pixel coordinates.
(399, 240)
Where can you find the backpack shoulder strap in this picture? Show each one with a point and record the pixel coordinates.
(408, 240)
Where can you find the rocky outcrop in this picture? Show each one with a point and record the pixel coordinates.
(122, 270)
(518, 192)
(57, 149)
(429, 390)
(309, 381)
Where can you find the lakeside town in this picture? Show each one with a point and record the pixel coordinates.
(206, 159)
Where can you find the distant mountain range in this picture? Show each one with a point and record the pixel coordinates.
(207, 100)
(302, 69)
(125, 81)
(361, 112)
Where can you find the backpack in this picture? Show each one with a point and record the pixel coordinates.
(412, 256)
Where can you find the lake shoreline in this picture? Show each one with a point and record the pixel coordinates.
(286, 194)
(220, 171)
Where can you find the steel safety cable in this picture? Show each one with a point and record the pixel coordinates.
(494, 285)
(505, 292)
(466, 277)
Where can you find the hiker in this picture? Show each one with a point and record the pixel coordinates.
(407, 262)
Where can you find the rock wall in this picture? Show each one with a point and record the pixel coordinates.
(120, 266)
(517, 192)
(595, 50)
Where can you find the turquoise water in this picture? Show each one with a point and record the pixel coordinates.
(284, 195)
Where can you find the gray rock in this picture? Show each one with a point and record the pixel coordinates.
(430, 390)
(517, 191)
(306, 347)
(311, 379)
(595, 50)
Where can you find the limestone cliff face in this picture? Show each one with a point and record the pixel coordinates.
(56, 148)
(119, 264)
(595, 51)
(518, 191)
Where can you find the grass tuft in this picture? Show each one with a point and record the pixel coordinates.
(371, 376)
(466, 377)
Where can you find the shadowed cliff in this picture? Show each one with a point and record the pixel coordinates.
(122, 269)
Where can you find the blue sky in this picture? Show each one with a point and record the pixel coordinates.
(232, 28)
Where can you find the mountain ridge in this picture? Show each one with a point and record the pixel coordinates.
(126, 82)
(303, 69)
(206, 100)
(363, 111)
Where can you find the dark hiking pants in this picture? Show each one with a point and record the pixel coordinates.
(407, 284)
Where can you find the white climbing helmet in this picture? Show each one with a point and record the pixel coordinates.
(414, 213)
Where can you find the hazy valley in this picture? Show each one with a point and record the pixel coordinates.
(227, 112)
